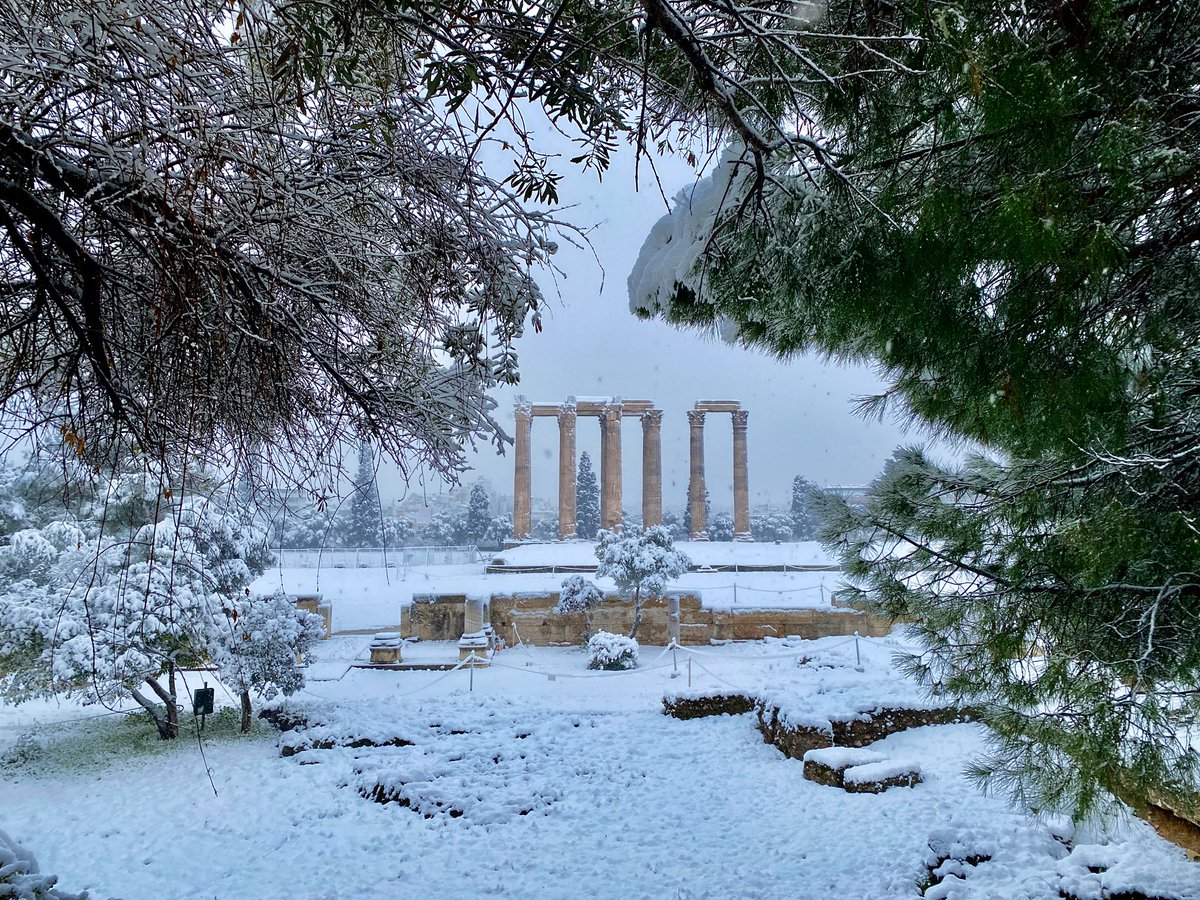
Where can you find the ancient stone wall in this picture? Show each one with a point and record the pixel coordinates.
(531, 618)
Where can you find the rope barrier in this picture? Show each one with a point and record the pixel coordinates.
(720, 679)
(808, 651)
(545, 674)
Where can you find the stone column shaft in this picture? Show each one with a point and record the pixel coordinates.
(610, 468)
(696, 490)
(741, 486)
(522, 480)
(651, 468)
(566, 473)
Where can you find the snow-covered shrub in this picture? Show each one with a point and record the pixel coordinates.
(102, 608)
(20, 878)
(256, 644)
(641, 563)
(579, 596)
(612, 651)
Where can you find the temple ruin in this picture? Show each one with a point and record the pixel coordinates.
(610, 411)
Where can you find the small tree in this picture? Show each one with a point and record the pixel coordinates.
(641, 564)
(546, 529)
(446, 529)
(579, 596)
(805, 523)
(771, 527)
(587, 500)
(398, 531)
(720, 527)
(256, 646)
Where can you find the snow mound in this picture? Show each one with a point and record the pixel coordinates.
(20, 878)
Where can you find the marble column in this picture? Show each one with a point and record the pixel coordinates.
(566, 472)
(522, 481)
(652, 467)
(741, 486)
(696, 490)
(610, 468)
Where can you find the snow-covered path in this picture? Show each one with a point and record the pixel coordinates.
(620, 801)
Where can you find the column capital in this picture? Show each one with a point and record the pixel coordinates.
(522, 409)
(566, 418)
(611, 416)
(696, 418)
(741, 417)
(652, 418)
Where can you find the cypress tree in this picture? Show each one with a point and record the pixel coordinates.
(587, 500)
(365, 525)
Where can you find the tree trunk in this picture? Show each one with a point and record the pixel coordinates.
(168, 699)
(637, 613)
(163, 726)
(245, 712)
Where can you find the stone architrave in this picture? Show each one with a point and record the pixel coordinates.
(696, 489)
(522, 480)
(741, 486)
(566, 472)
(610, 467)
(652, 467)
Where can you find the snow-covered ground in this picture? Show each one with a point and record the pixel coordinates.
(701, 553)
(372, 598)
(570, 786)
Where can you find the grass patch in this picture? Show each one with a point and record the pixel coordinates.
(96, 744)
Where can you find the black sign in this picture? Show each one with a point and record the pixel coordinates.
(203, 700)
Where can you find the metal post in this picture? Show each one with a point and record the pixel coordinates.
(689, 671)
(857, 656)
(471, 666)
(674, 662)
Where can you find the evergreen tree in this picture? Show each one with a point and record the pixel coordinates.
(364, 525)
(804, 519)
(479, 514)
(1002, 215)
(587, 500)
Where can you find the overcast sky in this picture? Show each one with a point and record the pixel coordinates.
(801, 417)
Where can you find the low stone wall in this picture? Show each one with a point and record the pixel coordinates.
(855, 730)
(708, 705)
(531, 618)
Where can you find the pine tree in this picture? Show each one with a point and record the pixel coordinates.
(1003, 217)
(804, 520)
(364, 527)
(587, 500)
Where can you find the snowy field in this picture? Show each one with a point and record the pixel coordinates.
(561, 788)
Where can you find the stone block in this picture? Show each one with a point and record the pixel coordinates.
(877, 777)
(827, 765)
(385, 649)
